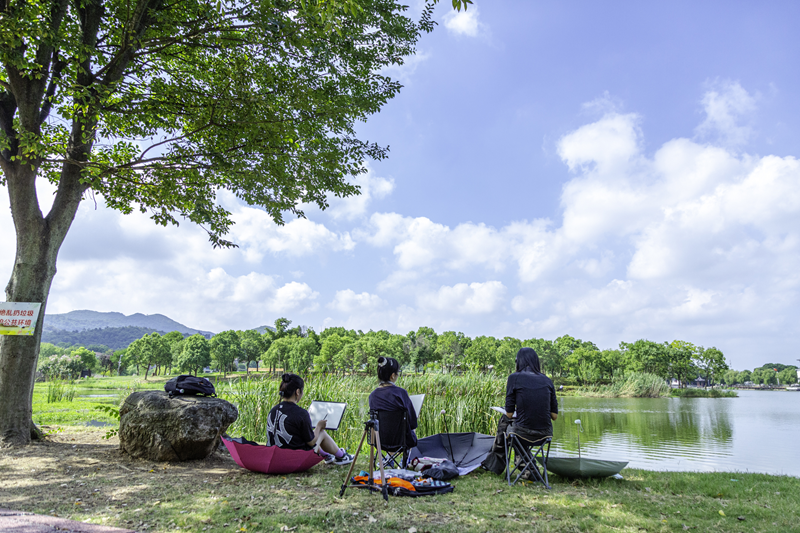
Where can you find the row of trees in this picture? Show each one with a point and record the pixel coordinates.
(341, 350)
(769, 374)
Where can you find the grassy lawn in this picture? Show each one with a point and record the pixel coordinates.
(78, 475)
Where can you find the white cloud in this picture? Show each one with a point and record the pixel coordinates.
(463, 22)
(725, 104)
(257, 235)
(475, 298)
(609, 143)
(372, 188)
(420, 243)
(347, 301)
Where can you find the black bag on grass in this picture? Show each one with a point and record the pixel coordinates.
(189, 385)
(443, 471)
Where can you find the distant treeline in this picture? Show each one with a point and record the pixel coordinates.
(343, 351)
(114, 338)
(769, 374)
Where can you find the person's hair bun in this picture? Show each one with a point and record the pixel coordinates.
(286, 378)
(382, 361)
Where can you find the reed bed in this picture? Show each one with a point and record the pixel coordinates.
(633, 385)
(703, 393)
(466, 400)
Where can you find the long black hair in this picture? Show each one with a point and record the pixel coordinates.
(528, 361)
(386, 367)
(290, 383)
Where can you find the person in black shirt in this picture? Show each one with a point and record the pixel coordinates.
(532, 395)
(289, 425)
(390, 397)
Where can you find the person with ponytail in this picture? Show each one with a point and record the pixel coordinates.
(289, 425)
(390, 397)
(532, 396)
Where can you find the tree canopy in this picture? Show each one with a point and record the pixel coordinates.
(158, 106)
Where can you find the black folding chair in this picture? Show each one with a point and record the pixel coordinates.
(393, 427)
(530, 458)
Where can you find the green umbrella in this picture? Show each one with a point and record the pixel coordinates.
(573, 467)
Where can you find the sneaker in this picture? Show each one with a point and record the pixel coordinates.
(330, 457)
(346, 459)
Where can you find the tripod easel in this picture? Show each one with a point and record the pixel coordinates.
(371, 429)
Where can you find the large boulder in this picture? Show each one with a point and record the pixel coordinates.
(154, 426)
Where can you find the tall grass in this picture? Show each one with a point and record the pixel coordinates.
(703, 393)
(466, 400)
(633, 385)
(129, 389)
(60, 390)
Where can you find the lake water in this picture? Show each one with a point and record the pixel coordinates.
(756, 432)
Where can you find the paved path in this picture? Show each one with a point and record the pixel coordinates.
(19, 522)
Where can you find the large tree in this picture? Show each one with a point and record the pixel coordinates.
(225, 348)
(157, 106)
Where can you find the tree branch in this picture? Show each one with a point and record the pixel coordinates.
(47, 104)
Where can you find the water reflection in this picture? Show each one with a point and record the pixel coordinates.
(725, 434)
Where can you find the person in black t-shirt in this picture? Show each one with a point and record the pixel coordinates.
(532, 395)
(289, 425)
(389, 397)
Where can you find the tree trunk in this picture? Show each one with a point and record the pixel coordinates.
(38, 241)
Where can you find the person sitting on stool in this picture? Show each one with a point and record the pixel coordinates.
(533, 396)
(389, 397)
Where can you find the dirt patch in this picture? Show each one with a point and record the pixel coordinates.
(81, 476)
(79, 473)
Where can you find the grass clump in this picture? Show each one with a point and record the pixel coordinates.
(632, 385)
(703, 393)
(60, 390)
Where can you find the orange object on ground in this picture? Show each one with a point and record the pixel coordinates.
(392, 482)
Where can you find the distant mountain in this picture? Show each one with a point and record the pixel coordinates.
(263, 329)
(84, 320)
(114, 338)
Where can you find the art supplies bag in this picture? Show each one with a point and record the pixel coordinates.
(190, 386)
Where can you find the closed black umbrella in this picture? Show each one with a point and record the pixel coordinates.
(466, 450)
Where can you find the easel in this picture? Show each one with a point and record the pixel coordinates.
(371, 428)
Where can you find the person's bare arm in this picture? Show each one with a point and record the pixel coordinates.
(320, 427)
(554, 416)
(510, 415)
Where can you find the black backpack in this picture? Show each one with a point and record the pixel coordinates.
(189, 385)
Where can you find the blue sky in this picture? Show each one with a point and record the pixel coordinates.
(612, 172)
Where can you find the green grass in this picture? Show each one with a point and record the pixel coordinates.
(88, 484)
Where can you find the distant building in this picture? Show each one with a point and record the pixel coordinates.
(700, 381)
